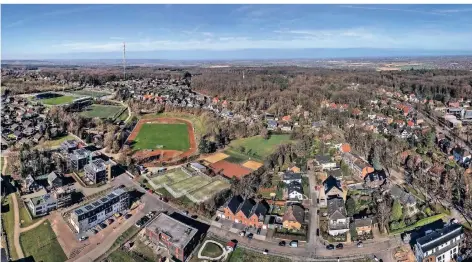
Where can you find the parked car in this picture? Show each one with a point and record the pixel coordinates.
(103, 225)
(317, 232)
(127, 216)
(110, 221)
(94, 231)
(83, 238)
(258, 231)
(359, 244)
(330, 247)
(282, 243)
(265, 252)
(242, 233)
(250, 235)
(339, 246)
(294, 243)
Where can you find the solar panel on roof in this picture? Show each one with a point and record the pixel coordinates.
(104, 199)
(88, 208)
(96, 203)
(79, 211)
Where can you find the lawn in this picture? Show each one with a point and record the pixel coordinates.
(257, 147)
(123, 115)
(60, 100)
(243, 255)
(212, 250)
(146, 251)
(9, 224)
(41, 243)
(418, 223)
(170, 136)
(55, 142)
(122, 256)
(236, 157)
(102, 111)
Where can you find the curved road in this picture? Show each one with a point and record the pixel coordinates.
(17, 230)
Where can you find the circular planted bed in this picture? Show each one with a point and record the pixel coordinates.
(212, 250)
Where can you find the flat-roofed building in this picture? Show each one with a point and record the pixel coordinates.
(79, 158)
(178, 237)
(442, 245)
(90, 215)
(96, 171)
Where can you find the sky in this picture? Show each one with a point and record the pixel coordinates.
(232, 31)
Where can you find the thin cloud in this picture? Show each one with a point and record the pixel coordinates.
(116, 38)
(49, 14)
(392, 9)
(449, 11)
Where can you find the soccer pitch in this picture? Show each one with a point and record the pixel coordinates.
(169, 136)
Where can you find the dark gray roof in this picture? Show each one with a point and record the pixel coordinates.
(331, 182)
(234, 203)
(292, 176)
(323, 159)
(295, 186)
(362, 222)
(336, 209)
(405, 198)
(52, 176)
(80, 153)
(247, 206)
(261, 209)
(437, 238)
(337, 173)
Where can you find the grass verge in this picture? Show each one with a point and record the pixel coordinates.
(9, 224)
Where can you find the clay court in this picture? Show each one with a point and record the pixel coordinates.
(230, 170)
(213, 158)
(163, 155)
(253, 165)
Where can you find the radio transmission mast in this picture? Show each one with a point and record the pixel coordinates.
(124, 61)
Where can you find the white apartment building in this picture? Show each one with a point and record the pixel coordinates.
(441, 246)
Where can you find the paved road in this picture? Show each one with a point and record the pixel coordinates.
(16, 231)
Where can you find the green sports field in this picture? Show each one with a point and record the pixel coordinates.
(188, 185)
(170, 178)
(209, 190)
(90, 93)
(170, 136)
(254, 147)
(102, 111)
(60, 100)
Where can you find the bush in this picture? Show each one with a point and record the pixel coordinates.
(419, 223)
(428, 211)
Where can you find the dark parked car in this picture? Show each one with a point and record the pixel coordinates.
(282, 243)
(258, 231)
(339, 246)
(103, 225)
(330, 247)
(127, 216)
(250, 235)
(317, 232)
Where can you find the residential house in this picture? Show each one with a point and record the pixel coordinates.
(407, 200)
(248, 212)
(331, 189)
(325, 162)
(232, 207)
(43, 204)
(68, 146)
(294, 217)
(95, 171)
(30, 184)
(375, 179)
(442, 245)
(345, 148)
(271, 124)
(54, 180)
(336, 173)
(286, 128)
(338, 222)
(79, 158)
(358, 166)
(461, 155)
(363, 226)
(290, 177)
(295, 191)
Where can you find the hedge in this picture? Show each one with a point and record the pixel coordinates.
(418, 223)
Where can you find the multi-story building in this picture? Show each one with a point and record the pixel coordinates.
(43, 204)
(96, 171)
(178, 237)
(338, 221)
(358, 166)
(246, 212)
(79, 158)
(90, 215)
(441, 246)
(68, 146)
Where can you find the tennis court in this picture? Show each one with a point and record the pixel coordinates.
(209, 190)
(171, 177)
(190, 184)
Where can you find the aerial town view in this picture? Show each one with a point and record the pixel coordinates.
(236, 132)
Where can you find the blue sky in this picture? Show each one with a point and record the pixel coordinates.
(154, 31)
